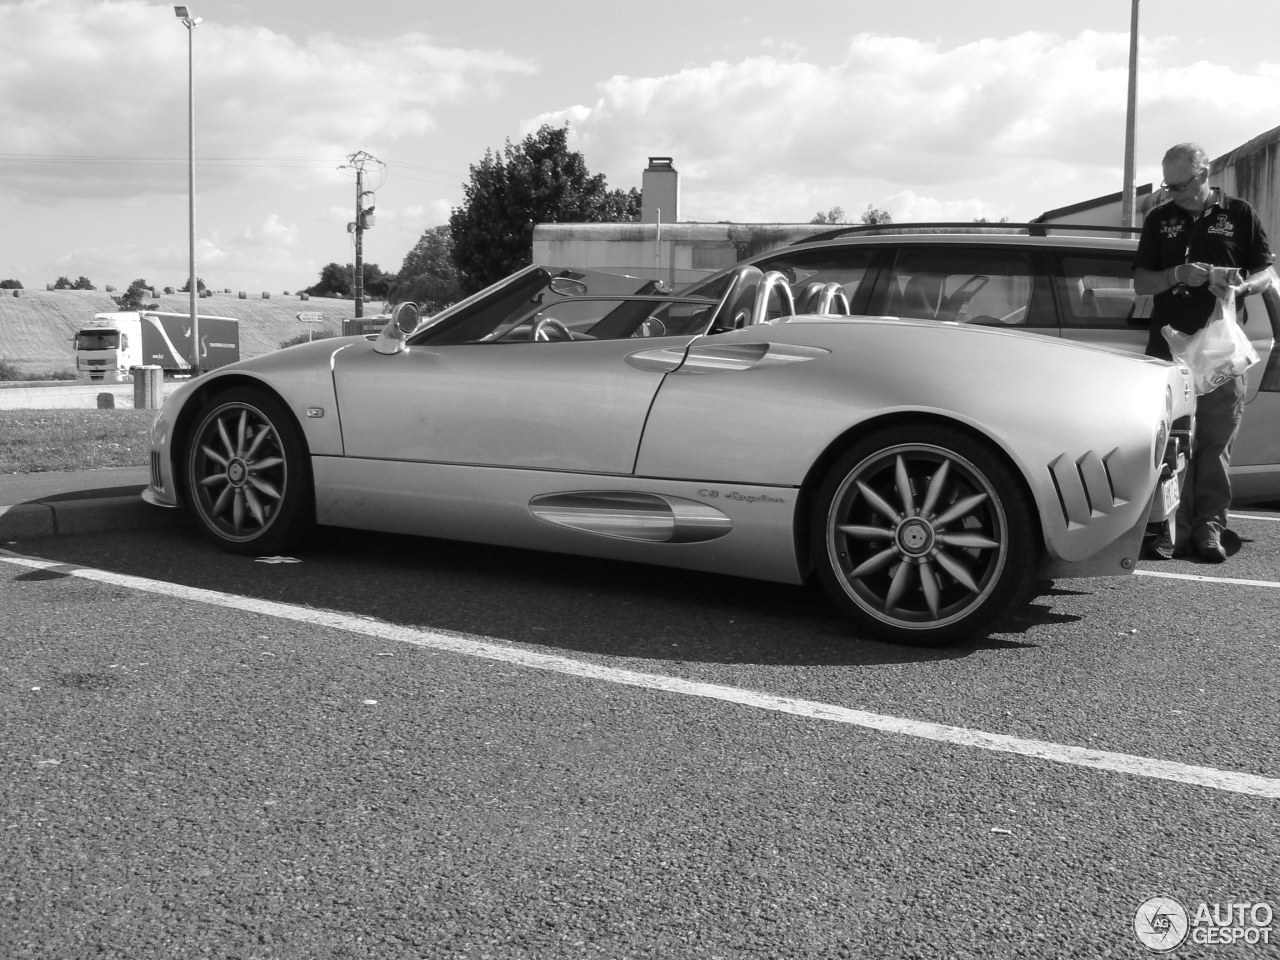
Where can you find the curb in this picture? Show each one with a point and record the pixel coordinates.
(83, 514)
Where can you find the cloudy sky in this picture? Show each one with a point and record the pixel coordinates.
(930, 109)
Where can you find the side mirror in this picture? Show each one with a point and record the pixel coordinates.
(404, 320)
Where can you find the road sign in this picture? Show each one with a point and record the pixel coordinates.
(311, 317)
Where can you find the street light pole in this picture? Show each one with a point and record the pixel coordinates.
(1128, 199)
(190, 23)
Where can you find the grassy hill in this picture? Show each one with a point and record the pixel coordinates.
(36, 326)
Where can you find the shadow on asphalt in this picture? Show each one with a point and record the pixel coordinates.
(559, 602)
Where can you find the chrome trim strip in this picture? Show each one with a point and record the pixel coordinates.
(629, 515)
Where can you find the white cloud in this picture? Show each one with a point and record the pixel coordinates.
(1027, 122)
(111, 82)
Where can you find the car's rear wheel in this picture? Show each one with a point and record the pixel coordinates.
(247, 475)
(924, 535)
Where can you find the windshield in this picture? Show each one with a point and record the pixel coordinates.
(97, 340)
(554, 303)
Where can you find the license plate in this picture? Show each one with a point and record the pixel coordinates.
(1169, 497)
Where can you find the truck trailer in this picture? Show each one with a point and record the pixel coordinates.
(110, 345)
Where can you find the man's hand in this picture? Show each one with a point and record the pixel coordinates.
(1191, 274)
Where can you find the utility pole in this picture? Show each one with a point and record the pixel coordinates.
(364, 219)
(1128, 213)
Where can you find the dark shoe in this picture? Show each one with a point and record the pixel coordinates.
(1160, 548)
(1210, 550)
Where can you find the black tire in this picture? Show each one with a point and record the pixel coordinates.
(247, 473)
(924, 535)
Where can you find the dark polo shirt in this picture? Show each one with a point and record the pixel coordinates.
(1228, 234)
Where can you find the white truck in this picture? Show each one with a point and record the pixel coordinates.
(110, 345)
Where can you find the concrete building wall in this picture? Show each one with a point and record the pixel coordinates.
(1252, 172)
(678, 253)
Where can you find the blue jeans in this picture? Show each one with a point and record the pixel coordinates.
(1206, 487)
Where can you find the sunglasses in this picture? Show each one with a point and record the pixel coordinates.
(1179, 187)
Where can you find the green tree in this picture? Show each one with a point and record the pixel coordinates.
(186, 285)
(10, 284)
(428, 275)
(538, 181)
(83, 284)
(62, 283)
(135, 298)
(376, 283)
(834, 215)
(337, 280)
(872, 215)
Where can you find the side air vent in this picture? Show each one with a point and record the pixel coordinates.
(1085, 488)
(632, 516)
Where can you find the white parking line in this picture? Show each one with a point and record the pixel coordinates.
(1195, 576)
(490, 649)
(1274, 518)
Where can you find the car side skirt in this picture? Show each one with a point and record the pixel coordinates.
(728, 528)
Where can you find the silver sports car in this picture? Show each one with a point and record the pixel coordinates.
(928, 474)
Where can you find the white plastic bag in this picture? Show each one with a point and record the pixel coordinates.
(1217, 351)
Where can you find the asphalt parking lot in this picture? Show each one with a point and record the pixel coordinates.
(396, 747)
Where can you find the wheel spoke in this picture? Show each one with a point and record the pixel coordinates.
(242, 432)
(929, 584)
(903, 481)
(213, 455)
(936, 486)
(858, 532)
(237, 512)
(967, 540)
(226, 439)
(878, 503)
(214, 480)
(265, 486)
(881, 561)
(902, 578)
(957, 570)
(960, 508)
(255, 506)
(257, 441)
(220, 505)
(266, 463)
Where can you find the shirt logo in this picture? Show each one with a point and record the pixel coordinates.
(1223, 227)
(1171, 228)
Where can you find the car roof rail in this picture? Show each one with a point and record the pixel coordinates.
(1032, 229)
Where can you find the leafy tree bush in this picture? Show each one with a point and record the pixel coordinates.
(872, 215)
(539, 181)
(186, 286)
(428, 275)
(834, 215)
(64, 283)
(11, 285)
(337, 281)
(135, 298)
(322, 334)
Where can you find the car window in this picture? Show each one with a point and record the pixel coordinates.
(968, 284)
(1097, 291)
(807, 272)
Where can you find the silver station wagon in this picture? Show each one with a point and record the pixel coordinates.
(1076, 284)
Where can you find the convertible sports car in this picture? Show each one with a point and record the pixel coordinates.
(928, 474)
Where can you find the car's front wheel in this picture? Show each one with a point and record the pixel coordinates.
(924, 535)
(246, 473)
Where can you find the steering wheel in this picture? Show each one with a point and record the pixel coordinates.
(651, 327)
(960, 299)
(540, 328)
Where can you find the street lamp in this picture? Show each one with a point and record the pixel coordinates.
(190, 22)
